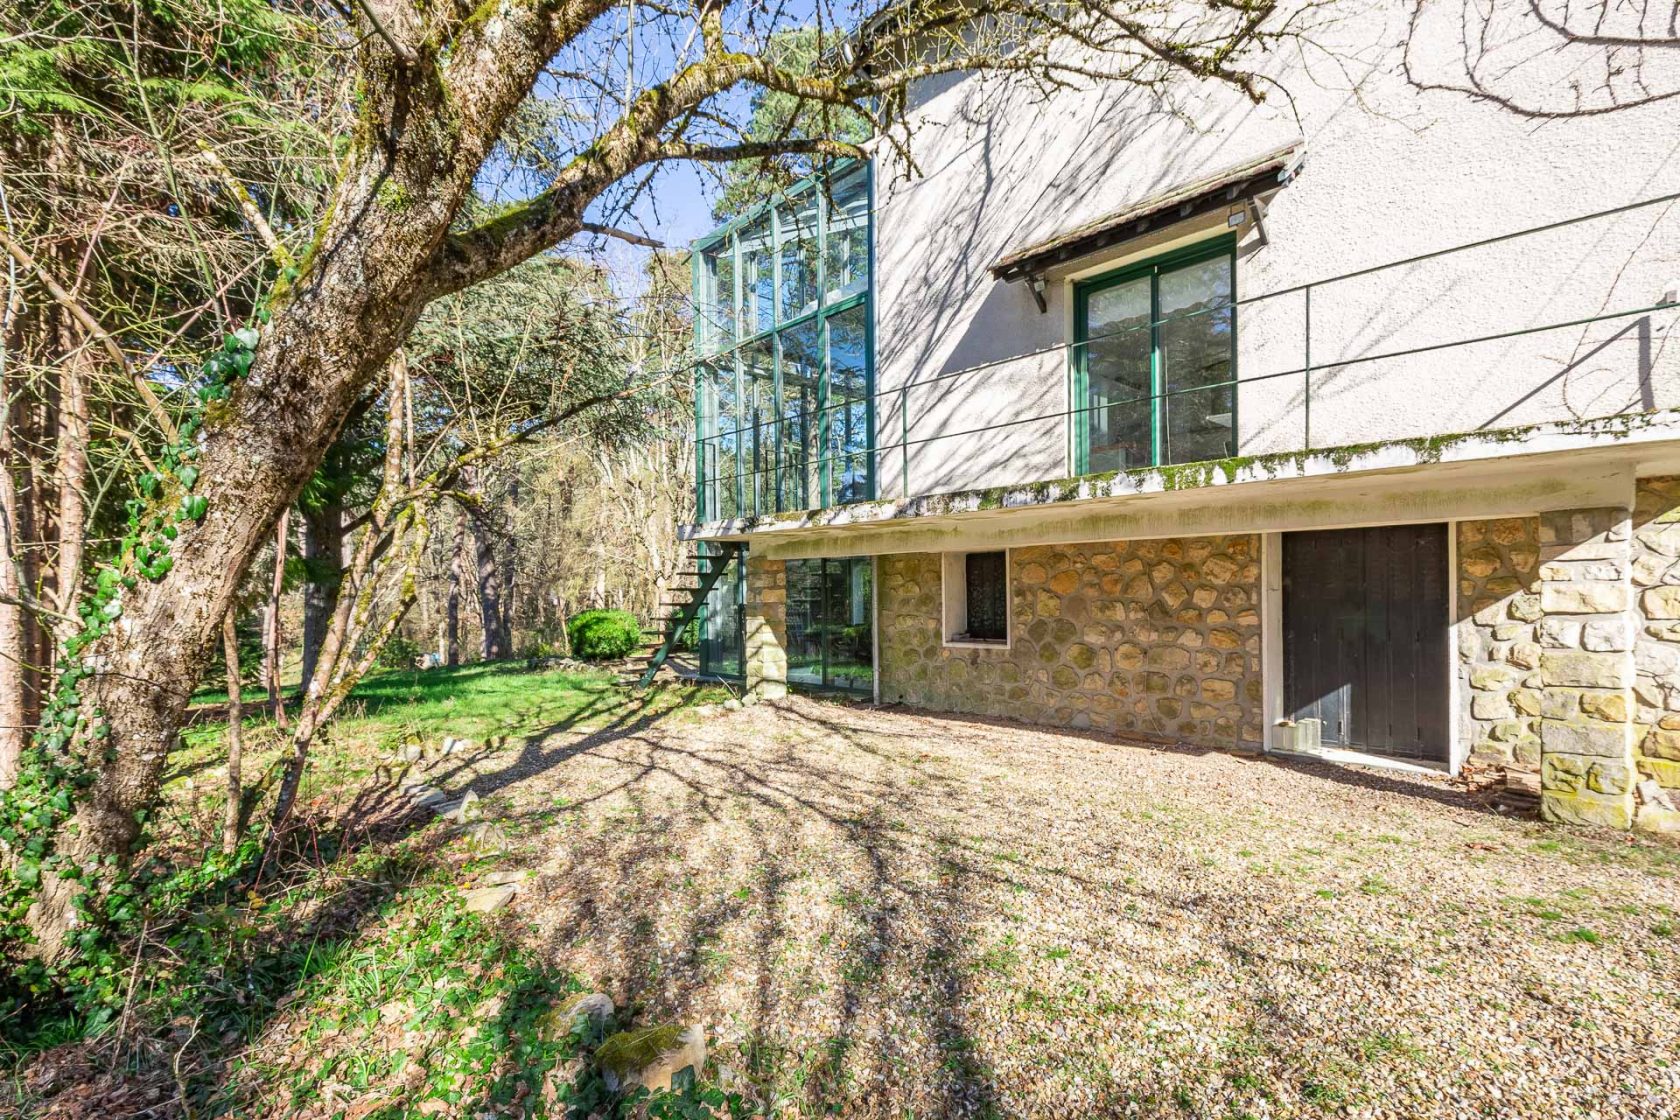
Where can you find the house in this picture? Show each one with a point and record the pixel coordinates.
(1345, 423)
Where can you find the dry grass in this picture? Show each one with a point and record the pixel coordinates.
(887, 913)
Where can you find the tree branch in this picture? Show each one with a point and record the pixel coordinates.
(98, 333)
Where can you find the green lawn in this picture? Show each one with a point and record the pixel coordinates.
(356, 932)
(496, 706)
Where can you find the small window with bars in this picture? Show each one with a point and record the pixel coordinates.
(986, 597)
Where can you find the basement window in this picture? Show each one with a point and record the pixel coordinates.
(976, 598)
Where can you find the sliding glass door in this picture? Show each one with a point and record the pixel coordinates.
(830, 641)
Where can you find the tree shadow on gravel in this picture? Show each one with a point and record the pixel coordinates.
(1436, 789)
(660, 795)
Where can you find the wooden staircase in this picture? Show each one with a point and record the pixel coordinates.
(699, 574)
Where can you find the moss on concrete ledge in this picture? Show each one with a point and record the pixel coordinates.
(1424, 450)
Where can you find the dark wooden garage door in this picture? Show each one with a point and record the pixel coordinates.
(1365, 637)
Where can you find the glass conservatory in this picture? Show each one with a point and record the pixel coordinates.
(784, 383)
(783, 407)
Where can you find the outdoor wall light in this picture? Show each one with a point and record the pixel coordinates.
(1035, 284)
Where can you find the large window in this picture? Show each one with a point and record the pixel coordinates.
(830, 641)
(785, 382)
(1155, 362)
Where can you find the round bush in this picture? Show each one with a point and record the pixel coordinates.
(603, 635)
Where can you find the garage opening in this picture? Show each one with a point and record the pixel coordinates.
(1365, 623)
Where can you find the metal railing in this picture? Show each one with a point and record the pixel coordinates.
(1285, 392)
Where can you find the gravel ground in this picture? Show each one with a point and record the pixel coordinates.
(879, 912)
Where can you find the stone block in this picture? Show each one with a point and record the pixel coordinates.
(1508, 730)
(1607, 636)
(1654, 818)
(1526, 608)
(1479, 562)
(1219, 690)
(1560, 703)
(1586, 670)
(1487, 752)
(1583, 737)
(1587, 809)
(1558, 633)
(1661, 743)
(1513, 530)
(1526, 701)
(1650, 569)
(1577, 773)
(651, 1057)
(1488, 678)
(1490, 705)
(1664, 541)
(1657, 659)
(1611, 707)
(1661, 602)
(1586, 598)
(1168, 657)
(1664, 771)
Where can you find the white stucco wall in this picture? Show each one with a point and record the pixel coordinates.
(1392, 171)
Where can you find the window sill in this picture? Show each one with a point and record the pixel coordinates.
(976, 643)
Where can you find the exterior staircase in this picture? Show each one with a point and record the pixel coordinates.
(699, 574)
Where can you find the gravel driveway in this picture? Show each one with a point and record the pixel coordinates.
(879, 912)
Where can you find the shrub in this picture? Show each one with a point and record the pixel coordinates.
(399, 653)
(603, 635)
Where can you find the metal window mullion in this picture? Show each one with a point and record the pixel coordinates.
(822, 622)
(873, 467)
(825, 490)
(736, 318)
(1080, 390)
(1157, 372)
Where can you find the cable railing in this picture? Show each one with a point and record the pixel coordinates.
(1501, 336)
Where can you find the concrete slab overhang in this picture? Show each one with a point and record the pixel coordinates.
(1512, 472)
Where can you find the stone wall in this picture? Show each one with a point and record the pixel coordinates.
(764, 661)
(1498, 656)
(1656, 686)
(1160, 638)
(1586, 667)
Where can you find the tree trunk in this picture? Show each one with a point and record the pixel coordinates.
(15, 724)
(323, 552)
(235, 735)
(352, 627)
(271, 623)
(490, 592)
(457, 582)
(21, 447)
(509, 573)
(72, 480)
(427, 121)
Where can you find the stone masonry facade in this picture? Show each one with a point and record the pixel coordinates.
(1498, 655)
(1655, 575)
(1586, 667)
(1159, 638)
(765, 653)
(1567, 633)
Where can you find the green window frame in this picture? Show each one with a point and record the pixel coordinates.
(1160, 398)
(830, 624)
(799, 459)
